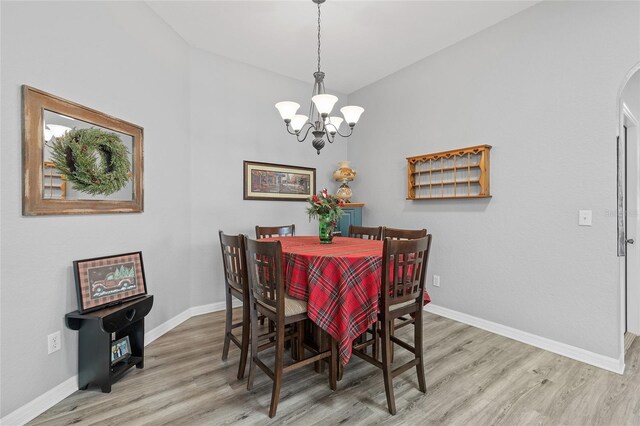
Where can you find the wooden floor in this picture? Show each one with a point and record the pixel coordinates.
(474, 378)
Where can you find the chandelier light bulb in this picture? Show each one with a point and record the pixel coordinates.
(287, 110)
(333, 124)
(297, 122)
(324, 103)
(352, 114)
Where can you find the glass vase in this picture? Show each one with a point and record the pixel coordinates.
(326, 229)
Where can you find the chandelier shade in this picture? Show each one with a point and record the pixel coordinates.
(318, 123)
(298, 121)
(333, 124)
(324, 103)
(287, 109)
(352, 114)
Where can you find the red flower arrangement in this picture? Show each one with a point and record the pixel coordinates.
(325, 204)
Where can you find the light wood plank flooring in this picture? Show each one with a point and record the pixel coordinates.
(473, 377)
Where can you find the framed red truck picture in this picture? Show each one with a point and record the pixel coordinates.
(109, 280)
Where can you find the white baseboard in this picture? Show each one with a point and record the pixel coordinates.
(167, 326)
(573, 352)
(33, 409)
(41, 404)
(213, 307)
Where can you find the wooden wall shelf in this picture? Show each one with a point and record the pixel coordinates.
(459, 173)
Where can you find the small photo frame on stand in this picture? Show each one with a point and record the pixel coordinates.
(120, 350)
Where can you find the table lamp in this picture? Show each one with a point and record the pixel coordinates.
(344, 174)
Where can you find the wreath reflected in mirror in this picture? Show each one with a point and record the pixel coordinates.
(94, 161)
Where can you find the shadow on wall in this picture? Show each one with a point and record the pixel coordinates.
(470, 205)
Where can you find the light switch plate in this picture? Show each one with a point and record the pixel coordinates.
(585, 218)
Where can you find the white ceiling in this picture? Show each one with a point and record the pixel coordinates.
(362, 41)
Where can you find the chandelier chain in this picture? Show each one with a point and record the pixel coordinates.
(318, 37)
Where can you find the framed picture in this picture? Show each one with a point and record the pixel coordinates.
(120, 349)
(109, 280)
(267, 181)
(48, 125)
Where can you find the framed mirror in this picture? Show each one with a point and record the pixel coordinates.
(77, 160)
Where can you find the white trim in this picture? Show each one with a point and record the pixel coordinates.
(573, 352)
(33, 409)
(41, 404)
(620, 111)
(213, 307)
(166, 326)
(629, 115)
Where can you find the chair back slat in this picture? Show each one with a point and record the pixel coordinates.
(404, 265)
(365, 232)
(275, 231)
(403, 234)
(264, 262)
(234, 261)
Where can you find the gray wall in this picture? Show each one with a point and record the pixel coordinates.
(121, 59)
(233, 118)
(540, 88)
(194, 147)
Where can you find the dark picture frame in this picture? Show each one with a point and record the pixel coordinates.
(120, 350)
(109, 280)
(277, 182)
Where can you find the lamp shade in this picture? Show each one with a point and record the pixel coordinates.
(287, 109)
(333, 124)
(352, 114)
(297, 122)
(58, 130)
(324, 103)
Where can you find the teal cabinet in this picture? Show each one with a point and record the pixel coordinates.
(352, 215)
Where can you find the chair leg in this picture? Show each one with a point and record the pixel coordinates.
(417, 327)
(322, 346)
(386, 366)
(272, 328)
(392, 333)
(254, 345)
(246, 329)
(227, 327)
(333, 364)
(300, 351)
(376, 341)
(277, 373)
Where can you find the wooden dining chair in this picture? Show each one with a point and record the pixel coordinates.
(268, 297)
(404, 267)
(275, 231)
(365, 232)
(403, 234)
(236, 285)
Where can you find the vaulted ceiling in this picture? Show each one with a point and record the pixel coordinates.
(362, 41)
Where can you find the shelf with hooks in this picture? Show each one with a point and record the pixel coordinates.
(459, 173)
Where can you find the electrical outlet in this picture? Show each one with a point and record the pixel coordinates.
(585, 217)
(54, 342)
(436, 280)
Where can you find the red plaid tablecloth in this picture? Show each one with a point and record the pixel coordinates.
(339, 281)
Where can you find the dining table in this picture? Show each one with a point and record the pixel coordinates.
(339, 281)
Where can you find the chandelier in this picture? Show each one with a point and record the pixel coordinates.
(319, 123)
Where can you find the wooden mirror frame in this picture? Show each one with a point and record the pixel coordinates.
(34, 103)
